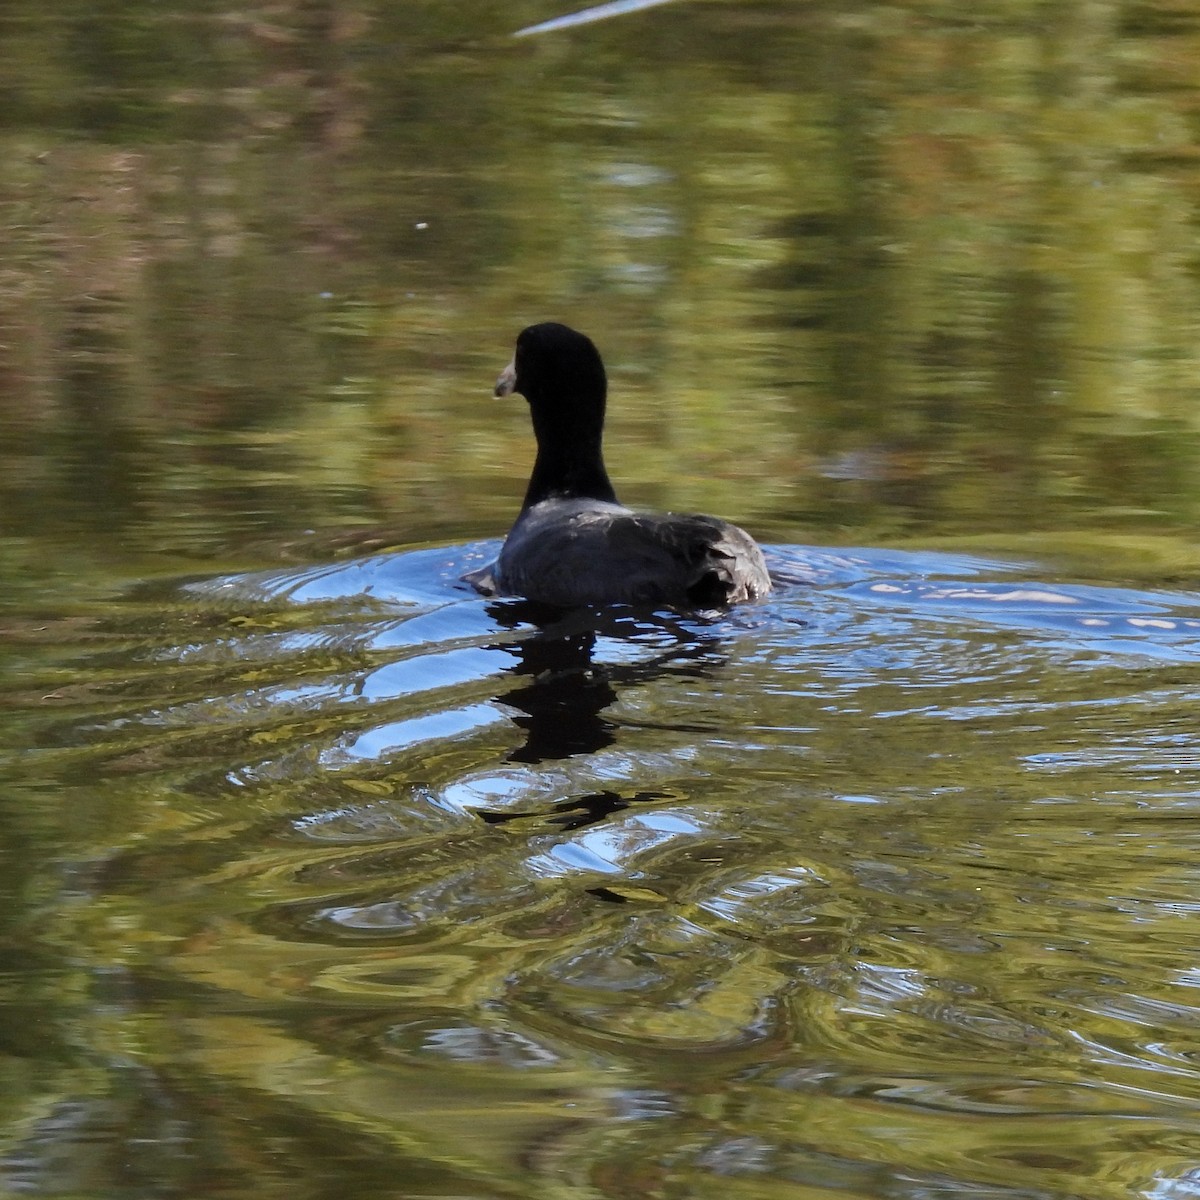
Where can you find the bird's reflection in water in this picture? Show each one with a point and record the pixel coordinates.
(580, 811)
(564, 690)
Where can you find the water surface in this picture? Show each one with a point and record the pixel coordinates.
(323, 876)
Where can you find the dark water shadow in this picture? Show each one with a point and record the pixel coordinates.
(563, 690)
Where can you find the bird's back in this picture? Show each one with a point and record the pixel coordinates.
(572, 552)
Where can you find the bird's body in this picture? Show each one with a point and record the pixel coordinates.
(572, 543)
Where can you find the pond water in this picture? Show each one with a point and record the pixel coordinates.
(323, 876)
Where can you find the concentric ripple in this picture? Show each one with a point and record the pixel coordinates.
(886, 886)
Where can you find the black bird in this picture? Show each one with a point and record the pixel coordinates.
(572, 543)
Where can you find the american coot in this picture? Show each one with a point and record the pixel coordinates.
(573, 543)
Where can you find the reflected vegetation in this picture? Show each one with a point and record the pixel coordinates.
(903, 275)
(322, 876)
(888, 870)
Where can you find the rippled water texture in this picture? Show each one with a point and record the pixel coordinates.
(323, 878)
(882, 887)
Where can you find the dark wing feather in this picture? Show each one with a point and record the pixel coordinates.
(583, 552)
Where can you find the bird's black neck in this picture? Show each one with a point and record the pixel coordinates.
(570, 459)
(572, 475)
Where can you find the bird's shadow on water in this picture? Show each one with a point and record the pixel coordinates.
(563, 688)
